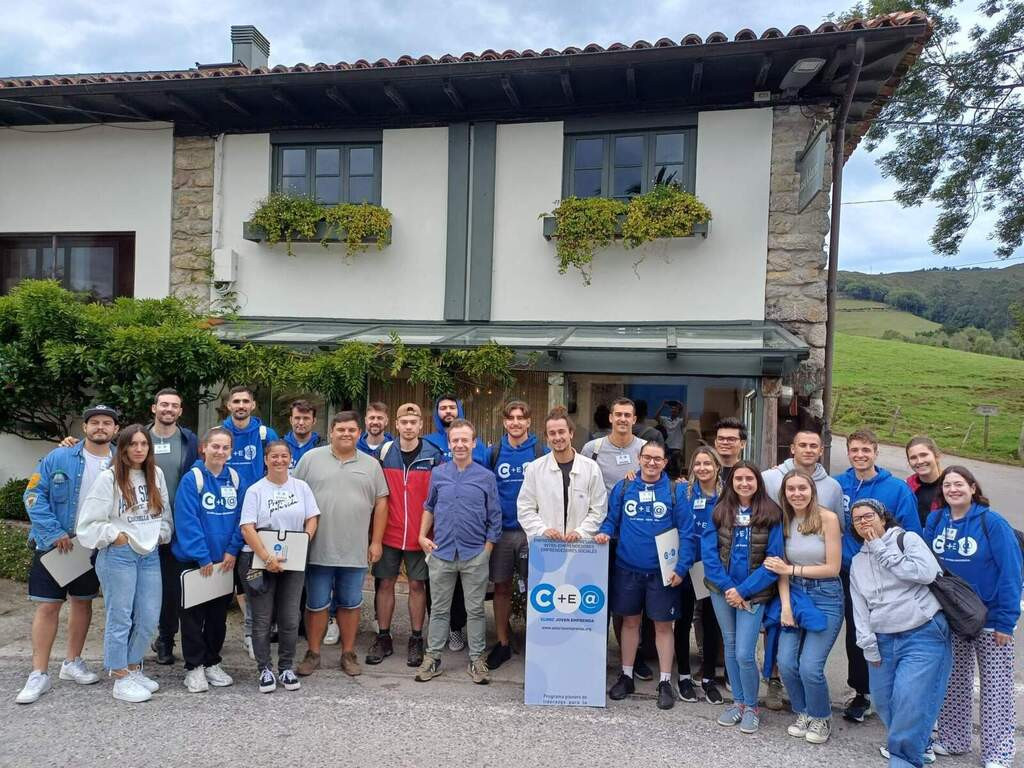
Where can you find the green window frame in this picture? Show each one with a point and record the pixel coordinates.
(332, 173)
(622, 164)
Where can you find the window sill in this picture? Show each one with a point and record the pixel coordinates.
(324, 233)
(701, 229)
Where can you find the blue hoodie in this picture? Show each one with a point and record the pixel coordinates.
(206, 528)
(247, 449)
(439, 438)
(509, 466)
(298, 451)
(982, 549)
(636, 518)
(699, 507)
(362, 445)
(891, 491)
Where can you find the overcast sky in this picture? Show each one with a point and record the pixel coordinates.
(70, 36)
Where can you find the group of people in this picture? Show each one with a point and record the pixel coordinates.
(787, 554)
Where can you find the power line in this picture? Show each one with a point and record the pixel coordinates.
(70, 109)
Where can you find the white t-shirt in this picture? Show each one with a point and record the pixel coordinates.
(284, 507)
(93, 466)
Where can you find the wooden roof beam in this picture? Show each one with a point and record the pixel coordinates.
(453, 95)
(228, 100)
(396, 98)
(567, 87)
(335, 95)
(510, 91)
(180, 104)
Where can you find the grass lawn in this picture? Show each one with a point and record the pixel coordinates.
(936, 390)
(872, 318)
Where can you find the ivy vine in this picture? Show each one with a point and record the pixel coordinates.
(284, 217)
(358, 223)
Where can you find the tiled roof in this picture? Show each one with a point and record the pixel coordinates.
(715, 38)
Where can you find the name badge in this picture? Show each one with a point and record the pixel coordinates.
(281, 494)
(951, 534)
(646, 496)
(623, 458)
(229, 494)
(700, 503)
(161, 448)
(743, 518)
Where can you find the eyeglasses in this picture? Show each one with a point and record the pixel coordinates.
(727, 439)
(864, 517)
(652, 459)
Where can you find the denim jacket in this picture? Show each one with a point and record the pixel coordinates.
(51, 498)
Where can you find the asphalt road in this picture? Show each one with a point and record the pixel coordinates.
(382, 718)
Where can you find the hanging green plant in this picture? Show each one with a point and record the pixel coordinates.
(357, 224)
(287, 217)
(665, 211)
(582, 226)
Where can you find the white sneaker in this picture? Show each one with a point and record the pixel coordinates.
(77, 671)
(38, 684)
(195, 680)
(127, 688)
(148, 683)
(247, 644)
(333, 633)
(216, 676)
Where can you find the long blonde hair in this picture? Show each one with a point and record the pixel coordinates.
(811, 522)
(691, 478)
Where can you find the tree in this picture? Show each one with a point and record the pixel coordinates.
(909, 301)
(956, 121)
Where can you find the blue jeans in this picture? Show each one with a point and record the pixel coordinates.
(132, 595)
(802, 654)
(346, 583)
(740, 630)
(908, 686)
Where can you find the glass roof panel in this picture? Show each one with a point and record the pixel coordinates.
(513, 336)
(410, 334)
(727, 337)
(310, 332)
(623, 336)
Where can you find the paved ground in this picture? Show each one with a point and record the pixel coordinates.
(381, 718)
(1002, 483)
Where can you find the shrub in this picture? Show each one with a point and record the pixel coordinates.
(11, 506)
(15, 553)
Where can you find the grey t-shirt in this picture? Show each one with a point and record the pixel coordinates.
(345, 492)
(613, 461)
(167, 454)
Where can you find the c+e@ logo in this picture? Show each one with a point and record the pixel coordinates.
(567, 598)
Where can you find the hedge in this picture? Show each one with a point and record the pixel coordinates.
(11, 505)
(15, 554)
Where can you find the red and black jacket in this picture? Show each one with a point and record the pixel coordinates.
(407, 491)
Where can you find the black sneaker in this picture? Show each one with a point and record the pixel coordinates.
(623, 687)
(687, 690)
(382, 647)
(268, 683)
(164, 652)
(667, 699)
(498, 655)
(711, 693)
(641, 671)
(414, 652)
(857, 709)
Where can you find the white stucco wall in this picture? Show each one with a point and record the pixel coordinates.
(403, 281)
(678, 279)
(97, 179)
(18, 457)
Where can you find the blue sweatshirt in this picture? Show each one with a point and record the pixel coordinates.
(298, 451)
(509, 467)
(362, 445)
(637, 512)
(891, 491)
(982, 549)
(739, 575)
(439, 438)
(247, 449)
(206, 526)
(699, 507)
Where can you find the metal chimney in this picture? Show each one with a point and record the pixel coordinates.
(249, 47)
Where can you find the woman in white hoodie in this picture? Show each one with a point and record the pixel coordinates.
(124, 517)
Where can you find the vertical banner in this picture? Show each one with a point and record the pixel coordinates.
(567, 623)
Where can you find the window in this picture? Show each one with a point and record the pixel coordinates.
(622, 165)
(332, 173)
(102, 265)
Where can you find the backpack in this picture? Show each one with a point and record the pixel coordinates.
(1017, 534)
(538, 451)
(197, 473)
(964, 610)
(597, 449)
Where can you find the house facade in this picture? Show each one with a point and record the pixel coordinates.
(142, 184)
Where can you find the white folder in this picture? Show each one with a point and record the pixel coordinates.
(197, 589)
(668, 553)
(697, 577)
(65, 567)
(294, 543)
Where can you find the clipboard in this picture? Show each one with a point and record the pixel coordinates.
(668, 553)
(65, 567)
(294, 543)
(197, 589)
(697, 577)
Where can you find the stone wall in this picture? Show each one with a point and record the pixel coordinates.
(797, 262)
(192, 214)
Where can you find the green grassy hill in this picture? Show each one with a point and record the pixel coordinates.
(873, 318)
(936, 390)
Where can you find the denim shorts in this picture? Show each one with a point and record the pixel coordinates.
(634, 592)
(43, 588)
(346, 583)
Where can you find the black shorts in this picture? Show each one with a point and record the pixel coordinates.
(43, 589)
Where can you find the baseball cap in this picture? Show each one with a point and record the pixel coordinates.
(100, 410)
(408, 409)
